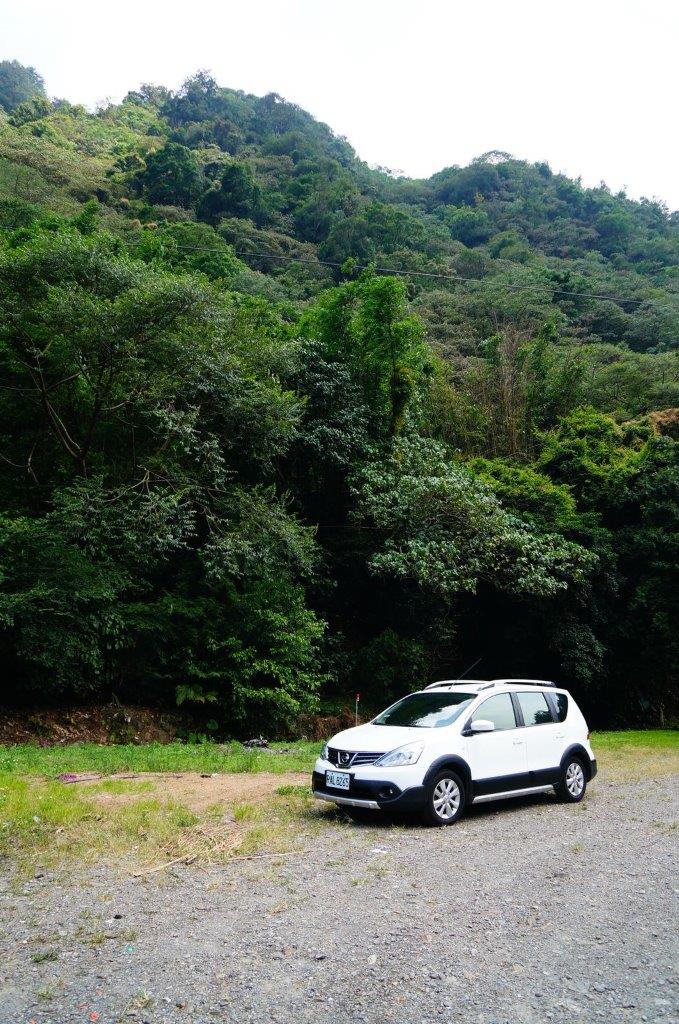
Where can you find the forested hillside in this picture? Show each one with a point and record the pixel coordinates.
(277, 426)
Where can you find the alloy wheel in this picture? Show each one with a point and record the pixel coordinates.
(446, 798)
(575, 778)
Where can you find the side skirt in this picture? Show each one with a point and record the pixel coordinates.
(512, 792)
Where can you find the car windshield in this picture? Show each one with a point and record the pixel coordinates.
(426, 710)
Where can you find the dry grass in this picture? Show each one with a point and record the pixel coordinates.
(634, 756)
(146, 822)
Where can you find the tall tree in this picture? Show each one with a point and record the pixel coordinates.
(18, 83)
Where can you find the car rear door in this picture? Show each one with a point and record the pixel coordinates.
(497, 759)
(543, 736)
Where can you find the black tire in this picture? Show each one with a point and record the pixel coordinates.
(361, 815)
(446, 799)
(573, 783)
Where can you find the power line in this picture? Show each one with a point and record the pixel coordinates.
(455, 278)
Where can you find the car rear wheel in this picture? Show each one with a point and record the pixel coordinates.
(445, 800)
(572, 787)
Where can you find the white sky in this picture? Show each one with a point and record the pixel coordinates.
(588, 85)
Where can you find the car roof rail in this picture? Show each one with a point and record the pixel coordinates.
(454, 682)
(524, 682)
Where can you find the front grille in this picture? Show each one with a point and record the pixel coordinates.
(352, 758)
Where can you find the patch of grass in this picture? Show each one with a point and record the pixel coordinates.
(292, 790)
(142, 1001)
(121, 786)
(266, 838)
(668, 827)
(52, 823)
(30, 812)
(381, 867)
(45, 955)
(649, 739)
(50, 762)
(47, 993)
(246, 812)
(633, 755)
(58, 825)
(660, 745)
(46, 822)
(280, 824)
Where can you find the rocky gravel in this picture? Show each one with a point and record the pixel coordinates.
(521, 913)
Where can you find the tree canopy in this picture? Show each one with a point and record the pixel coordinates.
(276, 426)
(18, 84)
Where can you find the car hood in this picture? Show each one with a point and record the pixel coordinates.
(376, 738)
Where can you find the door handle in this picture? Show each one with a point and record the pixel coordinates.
(560, 735)
(517, 743)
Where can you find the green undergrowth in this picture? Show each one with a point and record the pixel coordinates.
(50, 762)
(50, 825)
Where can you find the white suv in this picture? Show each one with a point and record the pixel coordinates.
(457, 743)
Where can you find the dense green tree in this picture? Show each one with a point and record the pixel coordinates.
(366, 324)
(197, 100)
(30, 110)
(172, 175)
(468, 225)
(463, 186)
(191, 247)
(18, 84)
(237, 195)
(448, 531)
(144, 422)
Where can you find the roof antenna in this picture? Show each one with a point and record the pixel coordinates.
(473, 665)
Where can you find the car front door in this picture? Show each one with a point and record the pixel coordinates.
(544, 737)
(497, 759)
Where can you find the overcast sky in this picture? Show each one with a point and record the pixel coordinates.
(415, 85)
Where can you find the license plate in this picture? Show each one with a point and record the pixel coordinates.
(338, 780)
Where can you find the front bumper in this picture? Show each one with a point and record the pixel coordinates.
(373, 794)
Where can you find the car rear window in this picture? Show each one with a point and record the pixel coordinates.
(561, 701)
(535, 708)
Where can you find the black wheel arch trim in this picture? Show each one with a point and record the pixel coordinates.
(578, 751)
(455, 762)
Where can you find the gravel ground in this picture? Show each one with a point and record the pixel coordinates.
(521, 913)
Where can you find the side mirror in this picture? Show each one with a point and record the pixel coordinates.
(482, 725)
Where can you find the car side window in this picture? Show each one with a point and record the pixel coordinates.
(499, 710)
(535, 708)
(561, 706)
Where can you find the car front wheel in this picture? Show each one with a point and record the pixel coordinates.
(572, 787)
(445, 800)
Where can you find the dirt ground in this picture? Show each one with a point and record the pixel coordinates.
(95, 723)
(195, 791)
(525, 912)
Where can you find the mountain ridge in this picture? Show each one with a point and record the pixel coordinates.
(275, 422)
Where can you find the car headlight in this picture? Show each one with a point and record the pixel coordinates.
(324, 752)
(409, 754)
